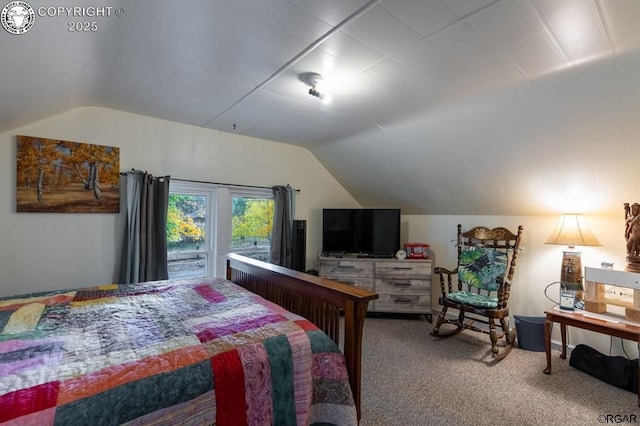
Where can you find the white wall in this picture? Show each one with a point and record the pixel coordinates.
(40, 251)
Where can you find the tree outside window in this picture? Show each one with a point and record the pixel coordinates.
(187, 249)
(252, 225)
(186, 217)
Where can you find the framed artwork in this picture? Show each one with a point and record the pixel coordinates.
(55, 176)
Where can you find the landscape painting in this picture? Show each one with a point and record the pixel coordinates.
(56, 176)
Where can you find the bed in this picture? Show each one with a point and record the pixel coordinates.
(267, 345)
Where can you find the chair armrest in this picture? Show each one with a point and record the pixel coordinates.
(445, 275)
(504, 290)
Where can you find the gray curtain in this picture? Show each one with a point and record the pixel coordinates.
(282, 234)
(144, 242)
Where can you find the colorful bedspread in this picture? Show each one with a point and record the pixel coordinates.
(169, 352)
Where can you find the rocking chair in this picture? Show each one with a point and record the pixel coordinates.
(486, 264)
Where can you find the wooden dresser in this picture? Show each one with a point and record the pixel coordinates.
(403, 286)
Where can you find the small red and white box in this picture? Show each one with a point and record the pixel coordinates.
(417, 250)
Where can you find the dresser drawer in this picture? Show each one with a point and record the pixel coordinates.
(403, 303)
(406, 269)
(364, 282)
(344, 267)
(402, 285)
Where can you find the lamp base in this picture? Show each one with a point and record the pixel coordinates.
(571, 267)
(571, 273)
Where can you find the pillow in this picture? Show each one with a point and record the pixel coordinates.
(482, 266)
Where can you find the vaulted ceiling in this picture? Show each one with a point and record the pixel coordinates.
(439, 106)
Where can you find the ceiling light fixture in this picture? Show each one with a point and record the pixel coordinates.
(316, 84)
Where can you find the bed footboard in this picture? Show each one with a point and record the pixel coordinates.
(319, 300)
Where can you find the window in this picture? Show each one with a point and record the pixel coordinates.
(189, 231)
(252, 224)
(206, 221)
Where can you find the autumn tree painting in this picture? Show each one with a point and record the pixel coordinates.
(61, 176)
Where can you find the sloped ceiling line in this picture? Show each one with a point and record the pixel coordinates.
(355, 15)
(549, 32)
(602, 12)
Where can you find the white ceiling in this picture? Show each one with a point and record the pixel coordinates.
(439, 106)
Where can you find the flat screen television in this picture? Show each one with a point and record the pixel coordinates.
(373, 232)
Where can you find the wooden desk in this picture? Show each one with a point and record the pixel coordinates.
(579, 319)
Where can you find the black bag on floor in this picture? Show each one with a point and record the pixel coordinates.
(615, 370)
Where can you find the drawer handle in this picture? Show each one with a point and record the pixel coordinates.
(402, 300)
(402, 283)
(400, 268)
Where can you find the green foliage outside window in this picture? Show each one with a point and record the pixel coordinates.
(185, 220)
(252, 222)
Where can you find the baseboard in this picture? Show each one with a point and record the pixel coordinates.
(558, 347)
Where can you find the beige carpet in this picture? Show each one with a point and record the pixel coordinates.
(412, 378)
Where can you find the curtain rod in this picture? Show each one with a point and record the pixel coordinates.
(134, 170)
(216, 183)
(225, 184)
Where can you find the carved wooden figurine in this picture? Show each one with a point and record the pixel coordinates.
(632, 235)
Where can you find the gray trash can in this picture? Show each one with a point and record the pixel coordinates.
(530, 332)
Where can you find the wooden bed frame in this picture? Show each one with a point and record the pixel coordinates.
(319, 300)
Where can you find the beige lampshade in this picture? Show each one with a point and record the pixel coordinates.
(572, 230)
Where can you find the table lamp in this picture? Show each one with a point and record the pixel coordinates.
(572, 231)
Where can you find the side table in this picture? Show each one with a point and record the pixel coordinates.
(606, 324)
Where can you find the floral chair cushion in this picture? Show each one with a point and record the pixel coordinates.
(480, 267)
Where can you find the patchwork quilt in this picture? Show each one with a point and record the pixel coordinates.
(183, 352)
